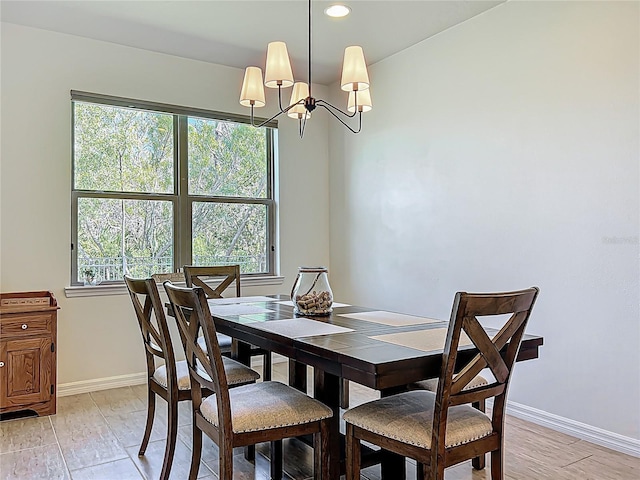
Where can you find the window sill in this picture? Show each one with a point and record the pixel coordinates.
(121, 289)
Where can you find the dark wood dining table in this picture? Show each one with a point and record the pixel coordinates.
(380, 350)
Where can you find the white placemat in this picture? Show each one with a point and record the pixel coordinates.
(389, 318)
(237, 309)
(232, 300)
(300, 327)
(333, 305)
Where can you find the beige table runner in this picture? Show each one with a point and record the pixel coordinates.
(390, 318)
(425, 340)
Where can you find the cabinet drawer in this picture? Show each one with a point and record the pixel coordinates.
(26, 324)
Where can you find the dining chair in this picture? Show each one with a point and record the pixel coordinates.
(438, 429)
(268, 411)
(170, 380)
(230, 274)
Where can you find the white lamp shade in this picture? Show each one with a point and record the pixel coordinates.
(252, 89)
(354, 70)
(363, 99)
(278, 68)
(300, 92)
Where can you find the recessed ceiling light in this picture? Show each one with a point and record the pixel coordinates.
(337, 11)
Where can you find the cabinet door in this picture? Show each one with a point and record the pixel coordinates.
(25, 376)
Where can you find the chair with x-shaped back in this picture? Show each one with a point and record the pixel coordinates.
(170, 380)
(439, 429)
(230, 274)
(262, 412)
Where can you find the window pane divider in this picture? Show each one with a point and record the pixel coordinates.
(256, 201)
(125, 195)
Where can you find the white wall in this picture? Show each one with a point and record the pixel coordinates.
(98, 336)
(500, 154)
(515, 164)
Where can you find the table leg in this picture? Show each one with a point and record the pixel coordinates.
(276, 460)
(344, 394)
(241, 352)
(392, 465)
(298, 375)
(327, 390)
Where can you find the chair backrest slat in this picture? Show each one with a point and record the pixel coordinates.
(489, 352)
(173, 277)
(470, 396)
(156, 338)
(195, 276)
(152, 337)
(497, 353)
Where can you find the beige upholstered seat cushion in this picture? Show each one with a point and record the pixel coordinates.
(224, 342)
(432, 384)
(237, 374)
(408, 418)
(266, 405)
(160, 375)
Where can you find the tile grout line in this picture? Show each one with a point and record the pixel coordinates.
(55, 434)
(142, 475)
(576, 461)
(26, 449)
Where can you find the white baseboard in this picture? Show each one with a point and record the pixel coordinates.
(86, 386)
(614, 441)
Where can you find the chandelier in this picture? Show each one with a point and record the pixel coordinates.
(278, 74)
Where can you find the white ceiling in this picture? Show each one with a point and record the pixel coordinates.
(236, 33)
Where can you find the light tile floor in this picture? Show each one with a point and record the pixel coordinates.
(96, 436)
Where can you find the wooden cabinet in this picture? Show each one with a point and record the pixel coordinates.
(28, 327)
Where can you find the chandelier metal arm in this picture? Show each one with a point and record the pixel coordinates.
(329, 106)
(285, 110)
(301, 124)
(325, 106)
(280, 98)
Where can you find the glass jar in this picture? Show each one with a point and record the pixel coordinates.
(311, 293)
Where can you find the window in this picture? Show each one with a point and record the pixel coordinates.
(156, 187)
